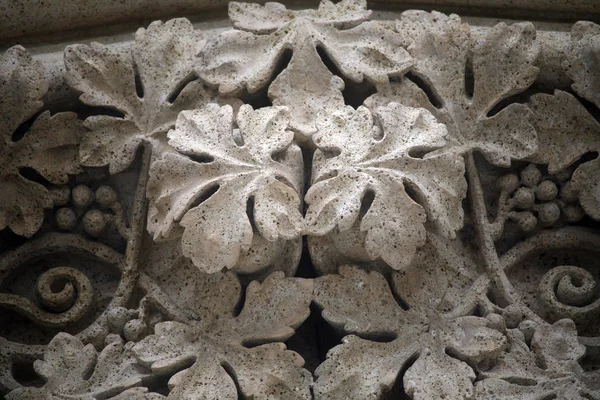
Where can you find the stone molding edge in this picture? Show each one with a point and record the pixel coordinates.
(19, 19)
(222, 185)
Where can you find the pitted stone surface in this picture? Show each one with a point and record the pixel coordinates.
(409, 204)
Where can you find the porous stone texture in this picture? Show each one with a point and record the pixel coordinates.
(312, 204)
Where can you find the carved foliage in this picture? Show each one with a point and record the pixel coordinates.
(49, 146)
(209, 354)
(362, 304)
(240, 164)
(385, 158)
(549, 367)
(502, 66)
(247, 58)
(149, 85)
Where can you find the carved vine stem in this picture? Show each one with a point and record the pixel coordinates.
(136, 232)
(486, 240)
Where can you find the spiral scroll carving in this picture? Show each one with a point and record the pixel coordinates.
(568, 292)
(65, 306)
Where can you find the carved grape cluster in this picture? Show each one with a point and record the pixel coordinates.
(534, 200)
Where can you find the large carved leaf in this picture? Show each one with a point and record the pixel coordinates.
(503, 65)
(387, 167)
(208, 360)
(49, 146)
(239, 60)
(261, 19)
(218, 230)
(72, 370)
(362, 303)
(162, 56)
(583, 56)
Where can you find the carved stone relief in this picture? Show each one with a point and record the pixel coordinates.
(314, 204)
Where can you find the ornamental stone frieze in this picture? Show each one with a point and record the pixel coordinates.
(301, 203)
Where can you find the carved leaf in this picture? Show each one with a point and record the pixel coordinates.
(386, 167)
(237, 60)
(240, 60)
(502, 66)
(22, 86)
(373, 309)
(362, 303)
(435, 375)
(218, 230)
(360, 369)
(549, 369)
(583, 56)
(565, 129)
(49, 146)
(439, 45)
(209, 357)
(162, 56)
(260, 19)
(273, 309)
(566, 132)
(585, 181)
(67, 364)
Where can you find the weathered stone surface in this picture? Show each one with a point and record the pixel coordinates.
(442, 175)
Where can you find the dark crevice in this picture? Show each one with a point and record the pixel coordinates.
(327, 337)
(139, 85)
(412, 192)
(229, 370)
(180, 86)
(469, 78)
(158, 384)
(589, 106)
(367, 202)
(380, 337)
(519, 98)
(204, 195)
(20, 132)
(250, 213)
(433, 97)
(87, 111)
(515, 380)
(354, 93)
(397, 391)
(260, 98)
(201, 158)
(399, 300)
(237, 310)
(32, 175)
(23, 372)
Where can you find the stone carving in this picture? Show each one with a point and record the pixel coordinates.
(226, 167)
(247, 58)
(149, 87)
(384, 158)
(49, 146)
(451, 208)
(212, 351)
